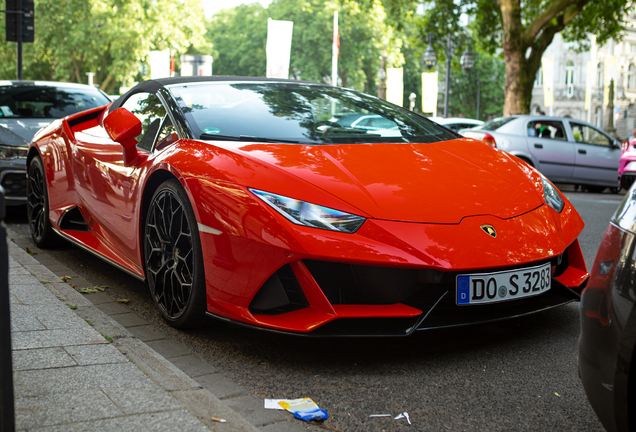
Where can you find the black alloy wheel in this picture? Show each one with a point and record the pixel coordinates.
(38, 206)
(172, 255)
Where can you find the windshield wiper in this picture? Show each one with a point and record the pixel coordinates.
(216, 137)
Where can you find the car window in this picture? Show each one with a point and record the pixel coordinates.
(167, 135)
(589, 135)
(551, 129)
(36, 101)
(299, 113)
(496, 123)
(151, 112)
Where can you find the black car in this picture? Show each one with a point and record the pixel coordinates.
(608, 323)
(26, 107)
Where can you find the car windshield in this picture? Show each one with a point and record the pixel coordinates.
(495, 123)
(301, 113)
(29, 101)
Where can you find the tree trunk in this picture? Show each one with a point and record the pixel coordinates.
(519, 84)
(108, 84)
(514, 55)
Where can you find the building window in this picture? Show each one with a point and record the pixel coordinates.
(631, 77)
(598, 117)
(599, 75)
(632, 47)
(569, 72)
(539, 79)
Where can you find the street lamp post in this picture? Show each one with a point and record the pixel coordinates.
(429, 58)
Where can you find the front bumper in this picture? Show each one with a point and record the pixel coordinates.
(389, 278)
(13, 178)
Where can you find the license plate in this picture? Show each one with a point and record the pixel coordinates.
(482, 288)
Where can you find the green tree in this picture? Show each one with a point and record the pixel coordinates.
(522, 29)
(108, 37)
(484, 82)
(239, 37)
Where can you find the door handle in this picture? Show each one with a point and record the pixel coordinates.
(581, 151)
(539, 146)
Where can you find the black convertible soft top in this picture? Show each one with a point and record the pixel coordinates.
(151, 86)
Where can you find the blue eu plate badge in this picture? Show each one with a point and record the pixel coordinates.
(463, 289)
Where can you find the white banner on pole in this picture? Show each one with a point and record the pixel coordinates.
(279, 38)
(335, 50)
(159, 64)
(548, 80)
(395, 86)
(589, 79)
(429, 93)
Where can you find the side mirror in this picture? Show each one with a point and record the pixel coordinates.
(123, 126)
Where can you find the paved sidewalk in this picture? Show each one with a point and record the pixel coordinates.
(68, 376)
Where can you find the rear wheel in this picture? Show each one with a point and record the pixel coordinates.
(38, 206)
(594, 189)
(172, 255)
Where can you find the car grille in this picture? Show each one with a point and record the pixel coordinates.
(431, 291)
(14, 183)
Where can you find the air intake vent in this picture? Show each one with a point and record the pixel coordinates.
(72, 220)
(281, 293)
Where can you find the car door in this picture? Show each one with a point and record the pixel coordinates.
(547, 142)
(596, 155)
(109, 189)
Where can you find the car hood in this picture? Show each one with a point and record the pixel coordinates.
(24, 128)
(433, 183)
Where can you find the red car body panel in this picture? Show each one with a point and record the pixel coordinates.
(420, 214)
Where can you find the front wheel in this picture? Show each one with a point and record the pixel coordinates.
(172, 255)
(627, 181)
(38, 206)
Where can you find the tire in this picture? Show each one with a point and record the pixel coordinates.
(38, 206)
(526, 160)
(594, 189)
(173, 259)
(615, 190)
(627, 181)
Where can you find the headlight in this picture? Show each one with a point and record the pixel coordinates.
(311, 215)
(11, 152)
(552, 195)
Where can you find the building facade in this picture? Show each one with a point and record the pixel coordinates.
(572, 79)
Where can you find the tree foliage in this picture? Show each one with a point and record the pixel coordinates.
(520, 30)
(239, 37)
(108, 37)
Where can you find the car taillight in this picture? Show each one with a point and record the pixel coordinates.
(624, 145)
(490, 140)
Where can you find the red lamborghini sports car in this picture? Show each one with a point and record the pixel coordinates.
(247, 200)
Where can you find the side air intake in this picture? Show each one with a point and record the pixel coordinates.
(72, 220)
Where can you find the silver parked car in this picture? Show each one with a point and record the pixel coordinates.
(563, 149)
(26, 107)
(456, 123)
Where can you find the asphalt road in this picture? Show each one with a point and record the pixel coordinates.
(517, 375)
